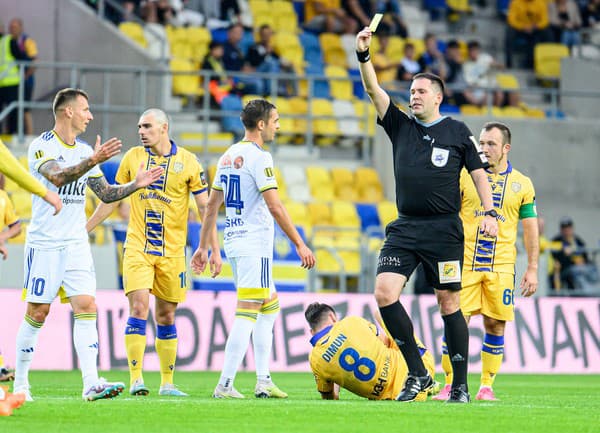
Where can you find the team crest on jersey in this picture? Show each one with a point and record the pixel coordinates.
(238, 162)
(439, 157)
(178, 167)
(226, 161)
(515, 186)
(269, 172)
(449, 271)
(39, 154)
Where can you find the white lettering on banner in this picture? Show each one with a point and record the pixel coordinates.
(549, 335)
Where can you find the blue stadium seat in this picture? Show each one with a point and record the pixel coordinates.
(232, 123)
(357, 87)
(369, 218)
(109, 168)
(219, 35)
(449, 109)
(312, 47)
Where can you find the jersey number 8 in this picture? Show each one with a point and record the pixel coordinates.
(368, 366)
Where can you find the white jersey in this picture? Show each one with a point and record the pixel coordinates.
(244, 172)
(48, 231)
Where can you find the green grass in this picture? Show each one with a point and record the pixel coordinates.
(529, 403)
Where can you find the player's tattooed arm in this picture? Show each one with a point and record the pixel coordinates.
(110, 193)
(64, 176)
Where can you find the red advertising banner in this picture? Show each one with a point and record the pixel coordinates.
(549, 335)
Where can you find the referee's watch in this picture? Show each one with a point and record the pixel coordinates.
(491, 212)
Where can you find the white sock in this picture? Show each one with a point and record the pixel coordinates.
(26, 343)
(262, 340)
(235, 349)
(85, 339)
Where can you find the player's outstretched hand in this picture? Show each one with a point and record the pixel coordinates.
(307, 256)
(144, 178)
(53, 200)
(216, 263)
(363, 39)
(106, 150)
(529, 283)
(199, 260)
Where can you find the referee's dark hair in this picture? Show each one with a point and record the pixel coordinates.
(64, 96)
(316, 313)
(435, 80)
(506, 135)
(254, 111)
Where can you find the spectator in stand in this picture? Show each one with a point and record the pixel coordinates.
(325, 16)
(573, 268)
(234, 60)
(28, 51)
(528, 24)
(480, 71)
(590, 14)
(220, 85)
(432, 60)
(9, 78)
(409, 67)
(362, 12)
(457, 91)
(184, 15)
(262, 58)
(565, 21)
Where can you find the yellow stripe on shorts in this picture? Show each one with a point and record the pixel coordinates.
(270, 307)
(253, 293)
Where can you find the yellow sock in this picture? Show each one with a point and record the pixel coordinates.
(1, 361)
(135, 345)
(492, 353)
(446, 364)
(166, 348)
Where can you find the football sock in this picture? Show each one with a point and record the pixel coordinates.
(446, 365)
(1, 360)
(262, 338)
(166, 348)
(492, 353)
(456, 332)
(135, 345)
(26, 341)
(401, 329)
(237, 344)
(85, 340)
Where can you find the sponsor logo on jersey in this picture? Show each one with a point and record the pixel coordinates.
(60, 159)
(226, 161)
(238, 162)
(439, 157)
(74, 192)
(39, 154)
(269, 172)
(449, 271)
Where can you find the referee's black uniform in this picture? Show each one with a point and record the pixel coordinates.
(428, 159)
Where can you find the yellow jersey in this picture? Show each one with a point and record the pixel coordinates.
(10, 166)
(8, 217)
(159, 212)
(514, 199)
(351, 354)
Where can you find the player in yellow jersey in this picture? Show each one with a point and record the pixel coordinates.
(489, 263)
(154, 259)
(354, 354)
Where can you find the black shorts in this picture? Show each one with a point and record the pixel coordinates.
(436, 241)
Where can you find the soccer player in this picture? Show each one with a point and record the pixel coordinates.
(354, 354)
(154, 259)
(429, 151)
(58, 258)
(489, 263)
(245, 181)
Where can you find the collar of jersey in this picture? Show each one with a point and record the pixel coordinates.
(173, 150)
(320, 335)
(427, 125)
(60, 140)
(250, 142)
(508, 170)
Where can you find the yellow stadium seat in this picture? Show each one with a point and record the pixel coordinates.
(317, 175)
(367, 176)
(324, 127)
(339, 89)
(198, 38)
(516, 112)
(536, 113)
(344, 214)
(259, 7)
(333, 49)
(299, 106)
(185, 84)
(212, 170)
(299, 215)
(21, 200)
(419, 45)
(319, 213)
(471, 110)
(370, 194)
(362, 109)
(218, 142)
(547, 57)
(507, 81)
(395, 49)
(134, 31)
(342, 176)
(387, 212)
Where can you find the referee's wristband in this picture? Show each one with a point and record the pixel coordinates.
(363, 56)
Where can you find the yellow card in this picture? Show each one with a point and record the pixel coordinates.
(375, 22)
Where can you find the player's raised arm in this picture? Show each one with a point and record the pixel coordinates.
(380, 98)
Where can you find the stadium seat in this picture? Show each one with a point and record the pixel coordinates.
(320, 213)
(198, 38)
(507, 81)
(346, 118)
(535, 113)
(395, 48)
(299, 106)
(324, 123)
(516, 112)
(344, 214)
(217, 142)
(185, 81)
(333, 50)
(134, 31)
(232, 123)
(339, 89)
(369, 218)
(287, 126)
(341, 176)
(387, 212)
(365, 110)
(21, 200)
(299, 215)
(546, 59)
(367, 176)
(471, 110)
(419, 45)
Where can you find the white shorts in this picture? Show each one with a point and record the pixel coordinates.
(253, 277)
(67, 272)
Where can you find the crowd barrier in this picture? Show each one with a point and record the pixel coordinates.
(549, 335)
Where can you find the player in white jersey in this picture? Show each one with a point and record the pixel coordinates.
(58, 258)
(245, 181)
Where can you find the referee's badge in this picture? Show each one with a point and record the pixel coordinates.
(449, 271)
(439, 157)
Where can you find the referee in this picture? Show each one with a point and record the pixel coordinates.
(429, 151)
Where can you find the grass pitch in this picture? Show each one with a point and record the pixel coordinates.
(528, 403)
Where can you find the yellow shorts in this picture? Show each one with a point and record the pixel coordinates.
(164, 276)
(488, 293)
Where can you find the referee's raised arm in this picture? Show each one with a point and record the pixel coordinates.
(380, 98)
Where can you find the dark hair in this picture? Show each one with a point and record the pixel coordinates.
(315, 313)
(506, 135)
(214, 44)
(473, 44)
(64, 96)
(435, 80)
(453, 43)
(254, 111)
